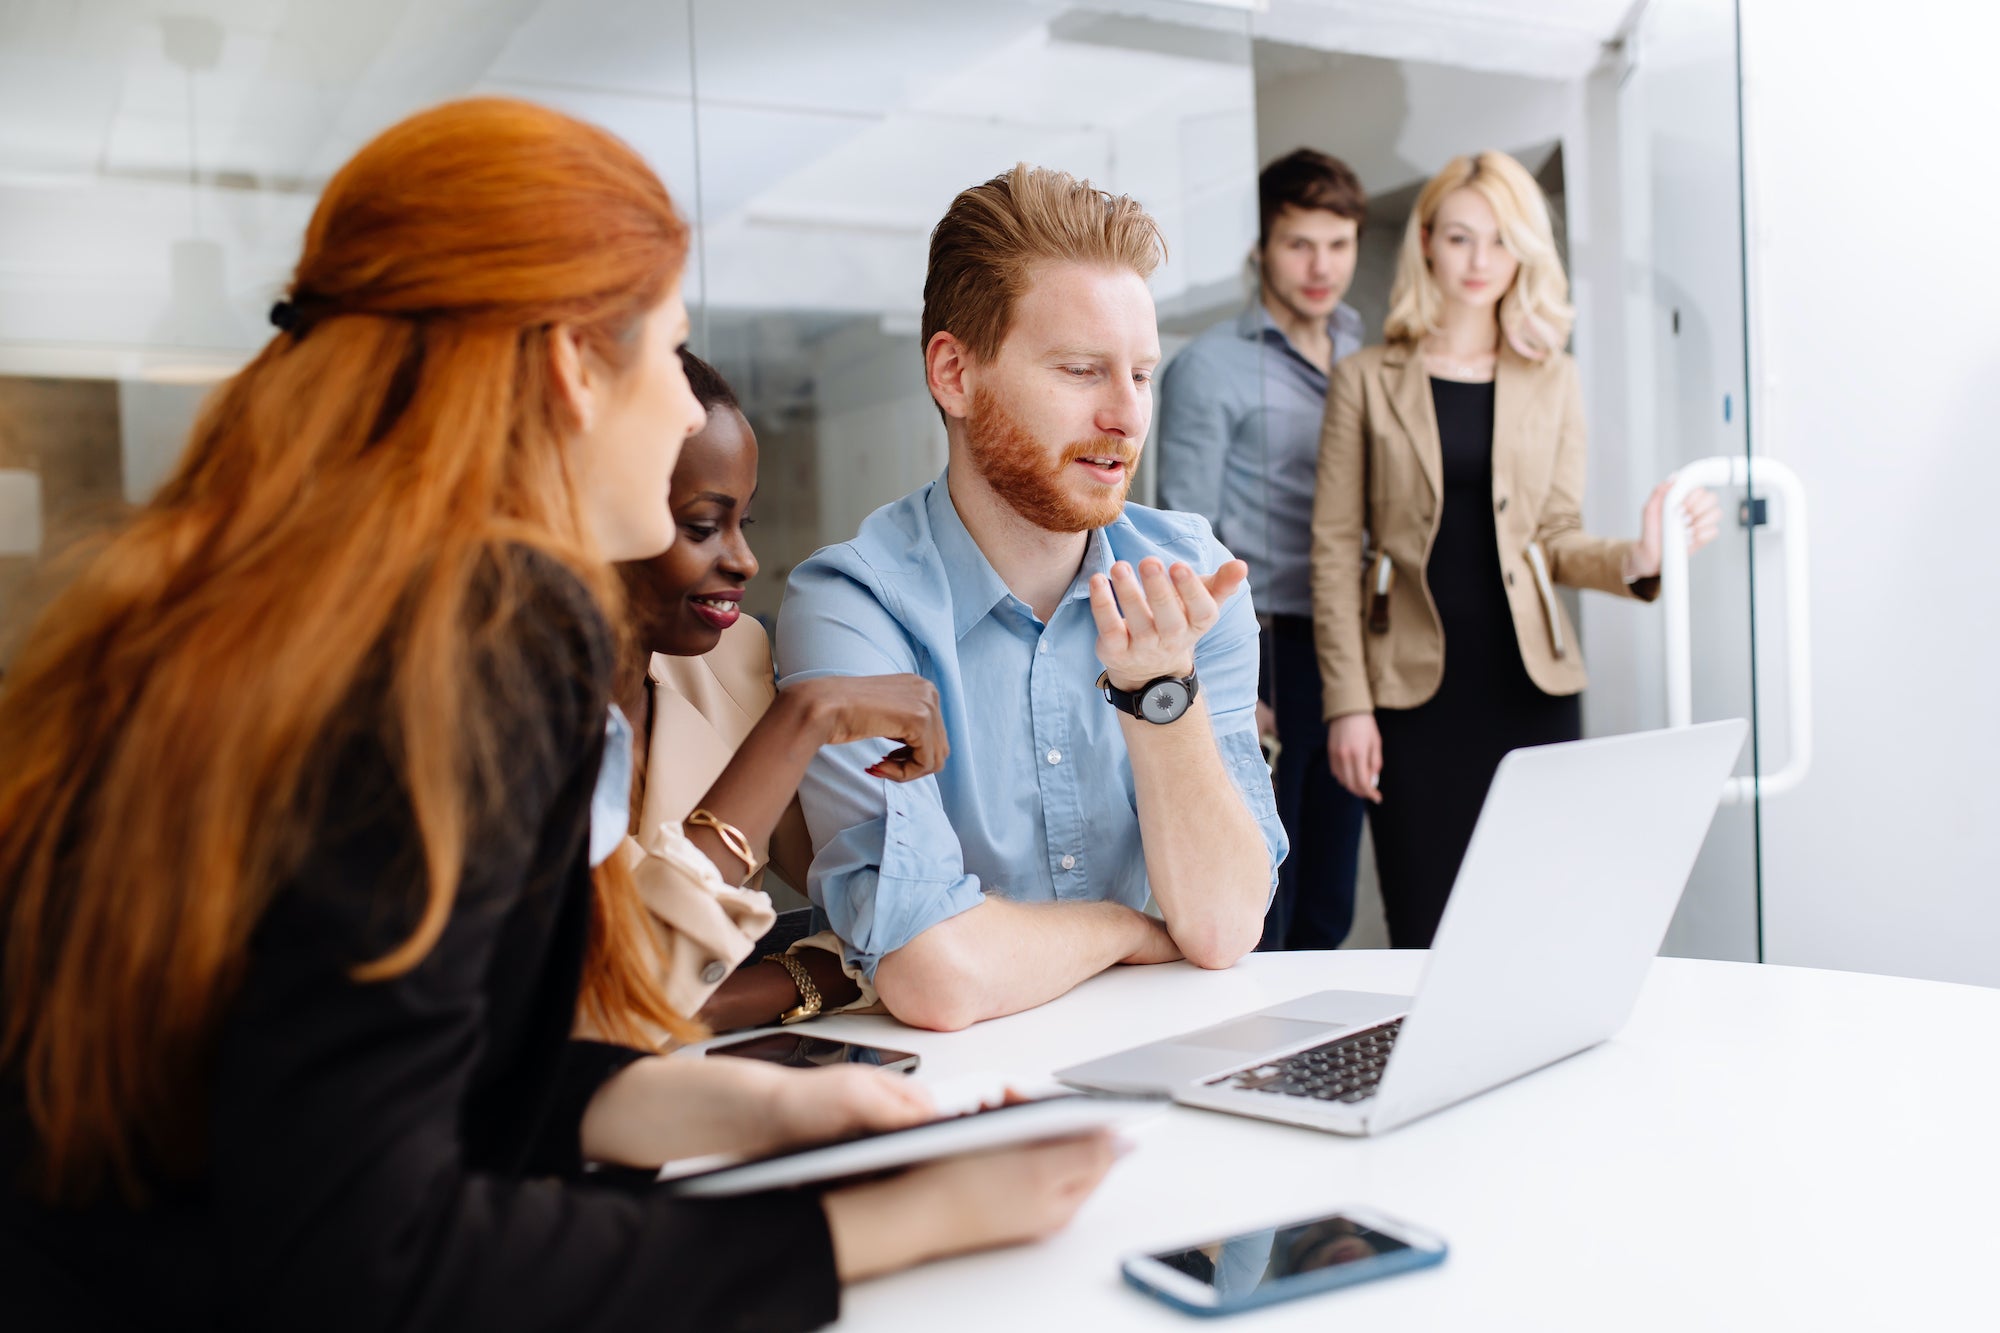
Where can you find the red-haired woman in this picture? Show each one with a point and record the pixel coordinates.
(296, 783)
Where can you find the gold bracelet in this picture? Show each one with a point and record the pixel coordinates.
(809, 996)
(732, 838)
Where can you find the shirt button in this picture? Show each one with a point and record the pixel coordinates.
(714, 972)
(1055, 756)
(1069, 863)
(1041, 645)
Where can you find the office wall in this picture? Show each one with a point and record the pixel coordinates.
(1873, 204)
(1396, 122)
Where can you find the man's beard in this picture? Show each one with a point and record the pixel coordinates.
(1033, 479)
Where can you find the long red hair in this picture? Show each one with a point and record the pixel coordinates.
(337, 503)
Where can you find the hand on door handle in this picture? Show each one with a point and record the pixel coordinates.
(1704, 521)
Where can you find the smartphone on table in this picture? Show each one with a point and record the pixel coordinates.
(1296, 1259)
(802, 1051)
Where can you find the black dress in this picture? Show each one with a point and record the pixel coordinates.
(1438, 758)
(405, 1154)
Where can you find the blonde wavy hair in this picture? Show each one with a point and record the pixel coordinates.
(1535, 313)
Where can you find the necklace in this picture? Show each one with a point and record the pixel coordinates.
(1477, 369)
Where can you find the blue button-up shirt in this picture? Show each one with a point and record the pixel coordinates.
(1036, 801)
(1240, 414)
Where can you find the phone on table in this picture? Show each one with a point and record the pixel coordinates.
(801, 1051)
(1296, 1259)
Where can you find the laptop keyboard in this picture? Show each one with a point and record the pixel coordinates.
(1345, 1070)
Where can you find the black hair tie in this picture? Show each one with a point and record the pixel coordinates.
(285, 315)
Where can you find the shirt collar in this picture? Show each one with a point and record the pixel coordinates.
(1256, 323)
(976, 587)
(1096, 560)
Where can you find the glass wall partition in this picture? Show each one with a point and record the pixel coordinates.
(831, 140)
(158, 164)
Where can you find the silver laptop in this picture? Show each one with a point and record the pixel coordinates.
(1568, 885)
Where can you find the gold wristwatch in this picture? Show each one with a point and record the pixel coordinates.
(809, 997)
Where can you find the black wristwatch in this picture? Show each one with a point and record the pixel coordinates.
(1162, 699)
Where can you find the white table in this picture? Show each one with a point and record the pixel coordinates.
(1761, 1147)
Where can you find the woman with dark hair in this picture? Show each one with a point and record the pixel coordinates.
(717, 742)
(296, 789)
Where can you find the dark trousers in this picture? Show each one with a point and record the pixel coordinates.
(1314, 905)
(1438, 759)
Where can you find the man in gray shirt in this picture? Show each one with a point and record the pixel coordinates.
(1240, 412)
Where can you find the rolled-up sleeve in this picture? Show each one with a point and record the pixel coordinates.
(1226, 662)
(887, 865)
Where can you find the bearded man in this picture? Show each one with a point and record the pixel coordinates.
(1095, 661)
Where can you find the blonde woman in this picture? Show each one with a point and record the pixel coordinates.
(1451, 471)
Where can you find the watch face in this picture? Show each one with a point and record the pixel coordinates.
(1165, 701)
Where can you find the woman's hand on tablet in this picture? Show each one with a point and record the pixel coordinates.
(659, 1110)
(980, 1201)
(813, 1105)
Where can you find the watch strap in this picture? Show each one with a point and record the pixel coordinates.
(1128, 701)
(810, 1000)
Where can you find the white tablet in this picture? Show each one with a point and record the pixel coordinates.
(1058, 1117)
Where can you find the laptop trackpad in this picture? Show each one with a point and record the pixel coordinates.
(1251, 1035)
(1342, 1008)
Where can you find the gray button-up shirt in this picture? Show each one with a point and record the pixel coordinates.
(1240, 413)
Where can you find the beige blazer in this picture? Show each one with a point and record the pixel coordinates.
(703, 707)
(1377, 508)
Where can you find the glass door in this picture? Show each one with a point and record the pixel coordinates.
(1672, 397)
(1630, 127)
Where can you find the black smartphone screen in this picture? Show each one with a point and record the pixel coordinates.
(1244, 1263)
(807, 1052)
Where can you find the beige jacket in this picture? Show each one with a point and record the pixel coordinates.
(1377, 508)
(703, 926)
(703, 708)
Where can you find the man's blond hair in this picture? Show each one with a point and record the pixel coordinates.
(994, 233)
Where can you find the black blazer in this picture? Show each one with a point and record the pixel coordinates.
(405, 1154)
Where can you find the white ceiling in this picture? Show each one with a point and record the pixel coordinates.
(158, 158)
(1554, 39)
